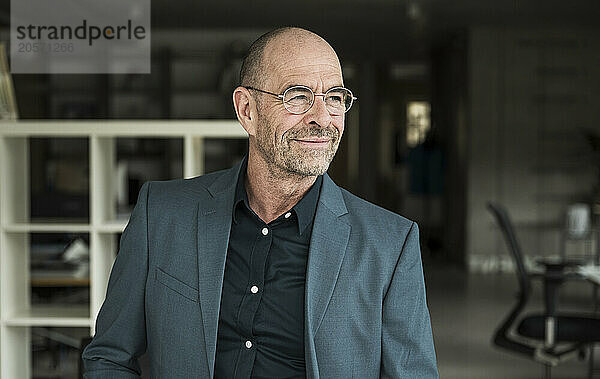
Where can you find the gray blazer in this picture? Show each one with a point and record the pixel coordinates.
(366, 314)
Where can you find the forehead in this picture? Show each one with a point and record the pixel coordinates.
(310, 63)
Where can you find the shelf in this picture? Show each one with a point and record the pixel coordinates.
(45, 228)
(52, 315)
(115, 226)
(118, 128)
(21, 235)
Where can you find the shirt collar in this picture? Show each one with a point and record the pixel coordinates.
(304, 210)
(240, 190)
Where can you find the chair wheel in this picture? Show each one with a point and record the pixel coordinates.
(582, 354)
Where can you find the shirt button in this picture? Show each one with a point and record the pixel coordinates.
(287, 215)
(254, 289)
(248, 344)
(265, 231)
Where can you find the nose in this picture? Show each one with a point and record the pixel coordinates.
(318, 113)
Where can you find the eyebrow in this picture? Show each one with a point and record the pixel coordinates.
(288, 86)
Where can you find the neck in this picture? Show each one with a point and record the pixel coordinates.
(272, 190)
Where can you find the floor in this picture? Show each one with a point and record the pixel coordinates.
(465, 311)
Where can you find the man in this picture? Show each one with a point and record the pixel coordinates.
(268, 269)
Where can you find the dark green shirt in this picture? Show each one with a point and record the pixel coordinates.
(261, 322)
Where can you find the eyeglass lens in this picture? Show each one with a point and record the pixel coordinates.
(299, 100)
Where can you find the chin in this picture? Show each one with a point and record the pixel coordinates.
(307, 167)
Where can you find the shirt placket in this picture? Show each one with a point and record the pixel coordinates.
(251, 301)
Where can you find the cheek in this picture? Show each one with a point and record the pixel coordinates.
(287, 124)
(339, 125)
(279, 121)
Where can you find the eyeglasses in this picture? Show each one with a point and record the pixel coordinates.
(299, 99)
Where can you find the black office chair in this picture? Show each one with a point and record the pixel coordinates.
(547, 337)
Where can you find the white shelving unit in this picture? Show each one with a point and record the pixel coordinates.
(17, 315)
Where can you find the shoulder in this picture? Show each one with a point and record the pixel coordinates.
(179, 191)
(179, 185)
(359, 208)
(378, 234)
(375, 222)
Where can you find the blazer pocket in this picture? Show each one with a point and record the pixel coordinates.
(176, 285)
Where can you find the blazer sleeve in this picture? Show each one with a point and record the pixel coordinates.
(120, 336)
(407, 342)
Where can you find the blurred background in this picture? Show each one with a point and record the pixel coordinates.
(461, 103)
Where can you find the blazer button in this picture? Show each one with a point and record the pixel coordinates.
(248, 344)
(265, 231)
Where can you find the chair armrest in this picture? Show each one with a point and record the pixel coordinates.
(553, 263)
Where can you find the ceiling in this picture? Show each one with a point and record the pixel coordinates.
(399, 28)
(382, 27)
(364, 13)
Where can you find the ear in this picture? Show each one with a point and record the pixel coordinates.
(245, 109)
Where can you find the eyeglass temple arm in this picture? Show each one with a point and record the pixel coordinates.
(263, 91)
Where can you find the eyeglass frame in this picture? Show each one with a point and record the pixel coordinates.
(282, 96)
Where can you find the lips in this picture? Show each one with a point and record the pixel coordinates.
(314, 137)
(319, 143)
(312, 140)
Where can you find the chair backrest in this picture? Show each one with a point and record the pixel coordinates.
(513, 246)
(502, 336)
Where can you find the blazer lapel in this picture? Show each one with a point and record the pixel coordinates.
(214, 225)
(328, 243)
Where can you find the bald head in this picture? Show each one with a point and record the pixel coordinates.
(273, 45)
(283, 142)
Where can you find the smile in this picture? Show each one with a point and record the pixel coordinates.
(314, 142)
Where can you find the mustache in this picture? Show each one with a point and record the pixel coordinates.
(314, 132)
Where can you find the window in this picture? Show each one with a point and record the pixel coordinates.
(417, 122)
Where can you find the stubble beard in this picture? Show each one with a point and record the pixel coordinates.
(292, 158)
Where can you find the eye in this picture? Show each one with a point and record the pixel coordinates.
(334, 99)
(298, 98)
